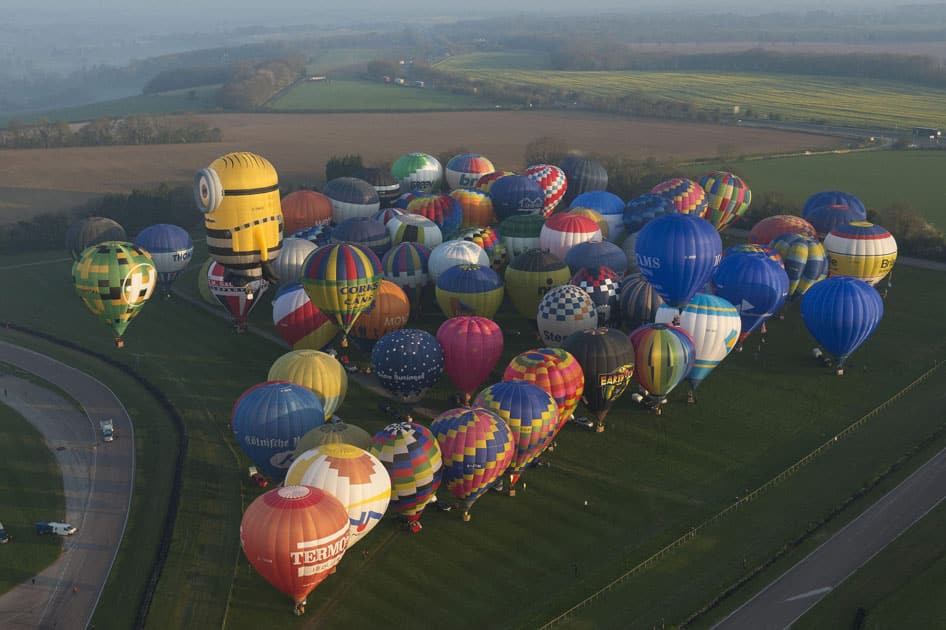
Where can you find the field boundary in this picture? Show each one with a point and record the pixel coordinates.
(782, 476)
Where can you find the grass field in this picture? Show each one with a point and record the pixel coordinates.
(647, 479)
(894, 588)
(340, 95)
(837, 100)
(29, 491)
(878, 178)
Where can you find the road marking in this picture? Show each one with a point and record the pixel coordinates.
(817, 591)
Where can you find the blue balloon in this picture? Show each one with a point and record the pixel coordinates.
(516, 194)
(755, 284)
(407, 362)
(270, 418)
(317, 234)
(841, 313)
(608, 205)
(829, 209)
(171, 249)
(366, 231)
(640, 210)
(677, 254)
(597, 254)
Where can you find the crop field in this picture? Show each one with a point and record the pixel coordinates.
(338, 95)
(837, 100)
(879, 178)
(29, 491)
(521, 560)
(300, 144)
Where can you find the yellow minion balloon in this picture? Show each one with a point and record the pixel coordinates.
(239, 196)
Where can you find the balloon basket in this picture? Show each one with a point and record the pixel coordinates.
(119, 343)
(466, 517)
(599, 428)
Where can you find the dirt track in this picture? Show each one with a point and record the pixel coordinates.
(98, 479)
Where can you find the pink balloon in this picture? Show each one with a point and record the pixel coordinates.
(471, 348)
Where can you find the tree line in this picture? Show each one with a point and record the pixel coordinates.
(253, 84)
(131, 130)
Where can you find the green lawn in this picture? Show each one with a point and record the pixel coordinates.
(29, 491)
(647, 479)
(368, 96)
(839, 100)
(878, 178)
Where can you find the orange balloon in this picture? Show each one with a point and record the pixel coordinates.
(389, 312)
(305, 208)
(294, 536)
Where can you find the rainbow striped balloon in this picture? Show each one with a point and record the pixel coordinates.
(687, 196)
(342, 280)
(727, 198)
(411, 455)
(663, 357)
(554, 370)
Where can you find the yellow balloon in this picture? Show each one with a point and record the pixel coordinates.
(315, 370)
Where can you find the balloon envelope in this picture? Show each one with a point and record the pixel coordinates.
(239, 300)
(288, 266)
(530, 276)
(583, 175)
(351, 197)
(294, 536)
(299, 322)
(407, 362)
(841, 313)
(317, 371)
(714, 326)
(638, 302)
(305, 208)
(514, 195)
(411, 455)
(365, 231)
(418, 171)
(551, 179)
(171, 249)
(332, 432)
(471, 347)
(765, 231)
(465, 169)
(687, 196)
(831, 208)
(563, 231)
(469, 290)
(406, 266)
(727, 198)
(521, 233)
(563, 311)
(443, 210)
(414, 228)
(755, 284)
(90, 231)
(664, 355)
(554, 370)
(805, 261)
(389, 311)
(606, 357)
(342, 281)
(861, 250)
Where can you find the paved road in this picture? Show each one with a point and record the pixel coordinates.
(98, 479)
(786, 599)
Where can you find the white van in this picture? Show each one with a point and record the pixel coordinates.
(4, 536)
(63, 529)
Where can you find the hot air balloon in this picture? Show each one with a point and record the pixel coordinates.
(414, 228)
(551, 179)
(418, 171)
(532, 416)
(451, 253)
(755, 284)
(294, 536)
(663, 357)
(686, 195)
(299, 322)
(411, 455)
(583, 175)
(677, 254)
(288, 266)
(514, 195)
(202, 287)
(238, 300)
(365, 231)
(609, 206)
(171, 249)
(595, 216)
(305, 208)
(727, 198)
(388, 188)
(114, 279)
(406, 198)
(477, 448)
(601, 284)
(465, 169)
(471, 347)
(829, 209)
(469, 290)
(317, 371)
(486, 181)
(488, 240)
(351, 197)
(597, 254)
(443, 210)
(563, 231)
(350, 474)
(841, 313)
(389, 311)
(861, 250)
(270, 418)
(90, 231)
(239, 196)
(521, 233)
(629, 247)
(384, 215)
(332, 432)
(765, 231)
(805, 261)
(554, 370)
(641, 209)
(406, 266)
(407, 362)
(638, 302)
(530, 276)
(749, 248)
(476, 207)
(607, 360)
(563, 311)
(318, 235)
(342, 280)
(713, 324)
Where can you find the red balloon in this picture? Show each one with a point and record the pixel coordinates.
(471, 348)
(763, 232)
(294, 536)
